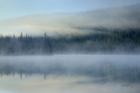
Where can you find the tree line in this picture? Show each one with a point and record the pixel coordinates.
(106, 41)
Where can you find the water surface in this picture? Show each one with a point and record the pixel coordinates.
(70, 74)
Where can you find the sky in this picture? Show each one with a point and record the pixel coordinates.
(16, 8)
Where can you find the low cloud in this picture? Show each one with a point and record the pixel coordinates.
(65, 24)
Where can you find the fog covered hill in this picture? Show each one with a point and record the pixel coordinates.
(81, 23)
(109, 30)
(114, 18)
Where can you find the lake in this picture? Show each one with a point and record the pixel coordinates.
(77, 73)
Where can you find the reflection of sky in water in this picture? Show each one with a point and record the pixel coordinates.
(61, 84)
(66, 83)
(5, 91)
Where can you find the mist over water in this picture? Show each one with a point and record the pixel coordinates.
(77, 73)
(69, 46)
(101, 66)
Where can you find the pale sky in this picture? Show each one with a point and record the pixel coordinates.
(17, 8)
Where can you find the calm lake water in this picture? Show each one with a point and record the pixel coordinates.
(70, 74)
